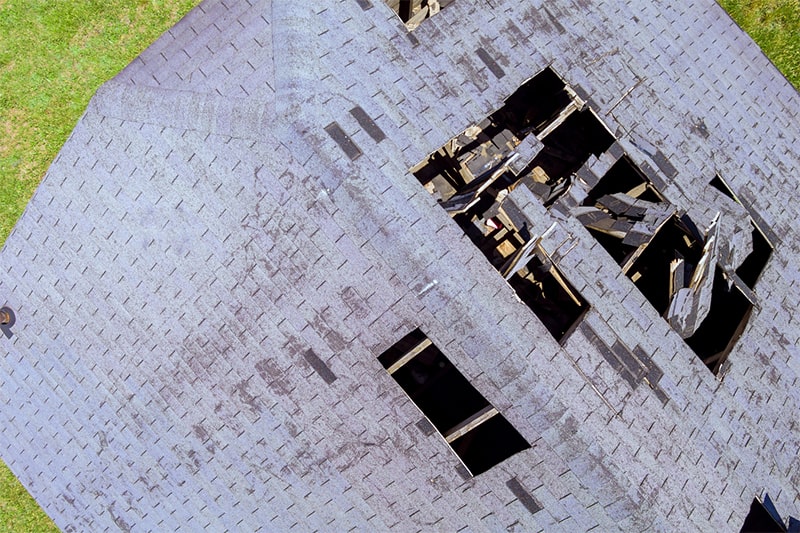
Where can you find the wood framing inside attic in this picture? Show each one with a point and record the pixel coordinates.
(474, 429)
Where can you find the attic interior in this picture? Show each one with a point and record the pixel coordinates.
(478, 434)
(578, 136)
(413, 12)
(662, 251)
(472, 176)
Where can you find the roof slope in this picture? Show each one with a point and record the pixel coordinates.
(201, 233)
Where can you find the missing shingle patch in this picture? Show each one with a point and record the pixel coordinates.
(494, 68)
(367, 124)
(663, 163)
(426, 427)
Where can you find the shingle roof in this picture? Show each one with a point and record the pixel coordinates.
(204, 280)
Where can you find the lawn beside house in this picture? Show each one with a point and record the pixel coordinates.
(55, 53)
(775, 26)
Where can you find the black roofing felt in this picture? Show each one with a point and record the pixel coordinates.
(206, 276)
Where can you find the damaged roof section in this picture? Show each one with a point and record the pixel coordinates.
(690, 277)
(545, 136)
(473, 175)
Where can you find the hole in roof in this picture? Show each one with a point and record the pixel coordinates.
(413, 12)
(533, 106)
(473, 174)
(570, 144)
(626, 178)
(481, 448)
(755, 262)
(728, 316)
(477, 433)
(550, 296)
(764, 516)
(672, 264)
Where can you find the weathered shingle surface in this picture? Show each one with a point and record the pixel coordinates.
(200, 234)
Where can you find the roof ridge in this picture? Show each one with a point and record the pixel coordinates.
(224, 115)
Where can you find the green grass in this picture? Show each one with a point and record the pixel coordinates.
(18, 511)
(775, 26)
(55, 53)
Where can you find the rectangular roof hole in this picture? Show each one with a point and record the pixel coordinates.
(550, 296)
(750, 269)
(755, 262)
(536, 104)
(570, 144)
(624, 177)
(488, 444)
(478, 434)
(724, 324)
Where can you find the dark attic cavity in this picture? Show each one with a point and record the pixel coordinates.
(626, 178)
(750, 269)
(729, 313)
(478, 434)
(569, 145)
(535, 105)
(764, 516)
